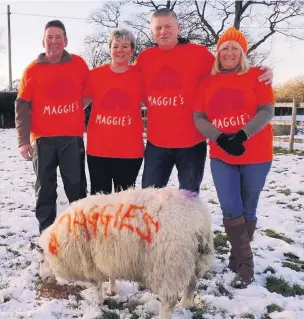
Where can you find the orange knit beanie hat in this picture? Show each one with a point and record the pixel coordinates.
(232, 34)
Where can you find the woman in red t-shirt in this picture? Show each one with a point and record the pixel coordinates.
(233, 109)
(115, 144)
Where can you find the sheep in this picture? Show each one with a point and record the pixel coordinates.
(161, 238)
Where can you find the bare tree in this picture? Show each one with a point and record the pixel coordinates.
(106, 18)
(204, 21)
(292, 89)
(95, 52)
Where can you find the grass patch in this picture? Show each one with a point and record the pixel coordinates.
(222, 291)
(274, 307)
(269, 196)
(273, 234)
(248, 315)
(107, 315)
(204, 188)
(285, 191)
(296, 208)
(282, 287)
(112, 304)
(293, 266)
(221, 243)
(270, 269)
(199, 311)
(300, 193)
(285, 151)
(293, 262)
(212, 201)
(14, 252)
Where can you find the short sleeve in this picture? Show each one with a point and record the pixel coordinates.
(138, 62)
(204, 60)
(208, 59)
(84, 69)
(200, 97)
(264, 91)
(25, 89)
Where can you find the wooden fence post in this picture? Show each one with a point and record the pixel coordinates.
(293, 124)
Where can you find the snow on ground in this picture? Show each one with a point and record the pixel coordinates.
(288, 117)
(278, 247)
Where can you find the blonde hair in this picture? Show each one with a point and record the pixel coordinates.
(244, 65)
(121, 34)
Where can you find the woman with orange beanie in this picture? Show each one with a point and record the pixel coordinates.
(233, 109)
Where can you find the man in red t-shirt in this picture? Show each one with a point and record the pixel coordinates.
(171, 72)
(50, 121)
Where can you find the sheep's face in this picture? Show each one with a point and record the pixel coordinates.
(45, 271)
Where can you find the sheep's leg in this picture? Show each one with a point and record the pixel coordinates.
(111, 291)
(187, 298)
(100, 298)
(166, 309)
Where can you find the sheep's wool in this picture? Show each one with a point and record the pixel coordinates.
(159, 237)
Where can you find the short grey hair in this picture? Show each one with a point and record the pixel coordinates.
(121, 34)
(163, 12)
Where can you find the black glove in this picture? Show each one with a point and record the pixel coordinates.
(241, 136)
(232, 143)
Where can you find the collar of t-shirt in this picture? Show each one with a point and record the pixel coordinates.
(179, 41)
(66, 57)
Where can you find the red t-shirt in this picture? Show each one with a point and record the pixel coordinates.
(115, 127)
(171, 78)
(230, 101)
(55, 93)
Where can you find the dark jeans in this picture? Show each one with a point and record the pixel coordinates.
(238, 187)
(189, 161)
(105, 170)
(68, 153)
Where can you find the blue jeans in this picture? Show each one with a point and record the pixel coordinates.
(238, 187)
(189, 161)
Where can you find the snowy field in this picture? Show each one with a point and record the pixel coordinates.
(288, 118)
(277, 292)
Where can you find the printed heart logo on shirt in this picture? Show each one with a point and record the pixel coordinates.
(226, 102)
(61, 89)
(116, 100)
(167, 79)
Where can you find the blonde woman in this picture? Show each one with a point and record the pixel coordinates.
(233, 109)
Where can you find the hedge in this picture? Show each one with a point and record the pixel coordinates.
(7, 109)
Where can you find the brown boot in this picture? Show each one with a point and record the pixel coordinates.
(234, 262)
(239, 239)
(251, 227)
